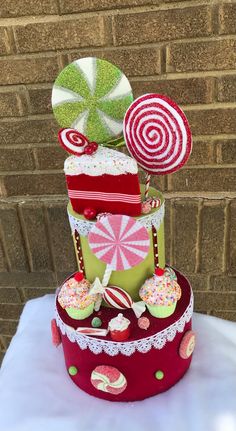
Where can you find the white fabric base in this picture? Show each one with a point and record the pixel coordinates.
(37, 395)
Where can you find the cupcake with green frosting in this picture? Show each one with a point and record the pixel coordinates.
(161, 293)
(74, 297)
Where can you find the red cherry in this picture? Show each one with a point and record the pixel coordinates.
(159, 271)
(79, 276)
(94, 145)
(90, 213)
(91, 148)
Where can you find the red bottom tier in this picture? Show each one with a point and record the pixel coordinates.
(149, 362)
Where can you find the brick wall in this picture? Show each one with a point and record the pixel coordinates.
(185, 49)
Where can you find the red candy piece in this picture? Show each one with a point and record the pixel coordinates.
(79, 276)
(56, 336)
(108, 379)
(90, 213)
(159, 272)
(187, 345)
(91, 148)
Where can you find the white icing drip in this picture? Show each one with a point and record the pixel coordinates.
(104, 161)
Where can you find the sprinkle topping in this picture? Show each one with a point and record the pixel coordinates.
(160, 290)
(75, 294)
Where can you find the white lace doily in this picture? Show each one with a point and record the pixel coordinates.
(113, 348)
(83, 227)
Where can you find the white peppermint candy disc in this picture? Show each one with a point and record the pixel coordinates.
(157, 134)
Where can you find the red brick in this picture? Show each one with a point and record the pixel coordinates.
(34, 184)
(6, 46)
(225, 314)
(226, 151)
(8, 327)
(203, 179)
(31, 293)
(200, 56)
(13, 239)
(50, 157)
(28, 279)
(203, 153)
(14, 8)
(25, 70)
(62, 34)
(3, 262)
(227, 14)
(223, 283)
(206, 301)
(70, 6)
(212, 121)
(133, 62)
(13, 159)
(40, 100)
(61, 239)
(212, 237)
(153, 26)
(227, 89)
(183, 91)
(9, 295)
(11, 311)
(37, 236)
(185, 225)
(12, 104)
(28, 131)
(198, 281)
(232, 238)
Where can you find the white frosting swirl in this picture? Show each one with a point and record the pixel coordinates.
(119, 323)
(103, 161)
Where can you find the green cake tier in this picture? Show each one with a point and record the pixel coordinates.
(132, 279)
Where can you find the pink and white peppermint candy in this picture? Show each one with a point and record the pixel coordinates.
(119, 241)
(157, 134)
(73, 141)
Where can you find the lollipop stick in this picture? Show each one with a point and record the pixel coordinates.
(106, 276)
(147, 184)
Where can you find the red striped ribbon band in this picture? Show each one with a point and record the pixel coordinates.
(101, 196)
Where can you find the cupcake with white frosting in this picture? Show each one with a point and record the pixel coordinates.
(119, 328)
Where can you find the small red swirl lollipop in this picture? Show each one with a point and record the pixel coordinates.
(76, 143)
(157, 135)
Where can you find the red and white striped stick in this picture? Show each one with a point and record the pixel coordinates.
(147, 185)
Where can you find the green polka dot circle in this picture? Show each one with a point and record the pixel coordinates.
(72, 370)
(159, 375)
(92, 95)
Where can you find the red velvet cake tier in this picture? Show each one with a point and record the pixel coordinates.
(106, 181)
(149, 362)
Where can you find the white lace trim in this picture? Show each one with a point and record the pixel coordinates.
(127, 348)
(83, 227)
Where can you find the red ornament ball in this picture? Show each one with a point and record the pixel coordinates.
(89, 213)
(91, 148)
(79, 276)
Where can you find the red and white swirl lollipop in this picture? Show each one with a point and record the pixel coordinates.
(73, 141)
(157, 134)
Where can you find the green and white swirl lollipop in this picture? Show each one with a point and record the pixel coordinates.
(92, 95)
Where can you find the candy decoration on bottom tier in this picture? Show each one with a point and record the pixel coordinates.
(108, 379)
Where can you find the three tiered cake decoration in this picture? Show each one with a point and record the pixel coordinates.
(123, 291)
